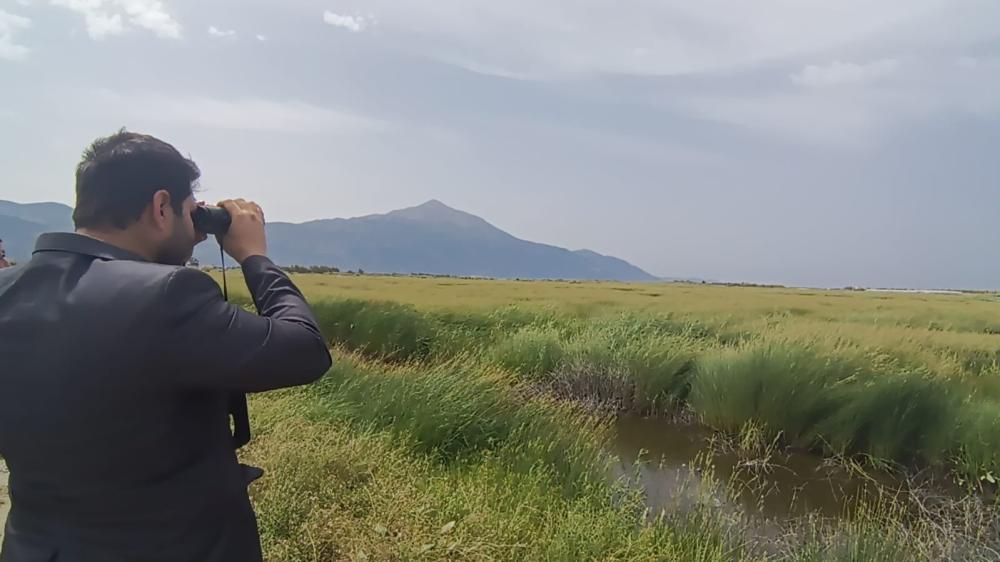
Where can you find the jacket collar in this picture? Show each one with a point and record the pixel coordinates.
(81, 244)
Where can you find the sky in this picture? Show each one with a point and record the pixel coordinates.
(801, 142)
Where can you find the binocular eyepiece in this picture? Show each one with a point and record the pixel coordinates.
(211, 220)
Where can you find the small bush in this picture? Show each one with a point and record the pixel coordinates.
(977, 431)
(531, 352)
(384, 330)
(661, 368)
(832, 401)
(904, 417)
(785, 387)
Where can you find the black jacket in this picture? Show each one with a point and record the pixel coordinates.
(116, 382)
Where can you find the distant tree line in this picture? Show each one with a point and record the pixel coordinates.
(311, 269)
(287, 268)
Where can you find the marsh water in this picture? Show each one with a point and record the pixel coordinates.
(671, 462)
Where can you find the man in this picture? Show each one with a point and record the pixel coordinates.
(3, 257)
(121, 367)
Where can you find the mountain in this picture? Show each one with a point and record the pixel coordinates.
(21, 224)
(430, 238)
(54, 214)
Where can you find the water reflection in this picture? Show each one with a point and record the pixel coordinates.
(785, 485)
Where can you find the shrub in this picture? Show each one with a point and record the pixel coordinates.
(531, 352)
(384, 330)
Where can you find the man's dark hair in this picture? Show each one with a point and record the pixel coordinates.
(119, 174)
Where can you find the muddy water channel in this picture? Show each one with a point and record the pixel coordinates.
(672, 463)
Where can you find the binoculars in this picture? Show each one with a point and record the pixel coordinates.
(211, 220)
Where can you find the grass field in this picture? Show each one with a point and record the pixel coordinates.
(467, 419)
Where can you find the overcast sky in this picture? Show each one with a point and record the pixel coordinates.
(807, 142)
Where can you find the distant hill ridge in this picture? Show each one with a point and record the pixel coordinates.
(430, 238)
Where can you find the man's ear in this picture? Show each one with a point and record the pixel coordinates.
(161, 209)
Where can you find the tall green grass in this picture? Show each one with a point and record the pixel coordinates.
(835, 402)
(385, 330)
(378, 462)
(828, 394)
(456, 415)
(437, 437)
(447, 464)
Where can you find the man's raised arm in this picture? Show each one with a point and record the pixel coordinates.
(218, 345)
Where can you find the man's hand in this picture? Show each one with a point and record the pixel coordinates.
(246, 233)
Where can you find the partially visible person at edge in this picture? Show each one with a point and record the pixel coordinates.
(121, 369)
(3, 257)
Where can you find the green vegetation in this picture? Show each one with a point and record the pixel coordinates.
(467, 419)
(407, 464)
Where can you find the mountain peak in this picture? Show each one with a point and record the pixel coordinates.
(435, 211)
(434, 204)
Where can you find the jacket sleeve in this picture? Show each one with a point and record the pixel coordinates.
(211, 343)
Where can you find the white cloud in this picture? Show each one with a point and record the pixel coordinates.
(816, 119)
(262, 37)
(840, 73)
(10, 25)
(556, 38)
(101, 25)
(355, 24)
(151, 15)
(216, 32)
(100, 22)
(107, 17)
(247, 114)
(968, 62)
(859, 116)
